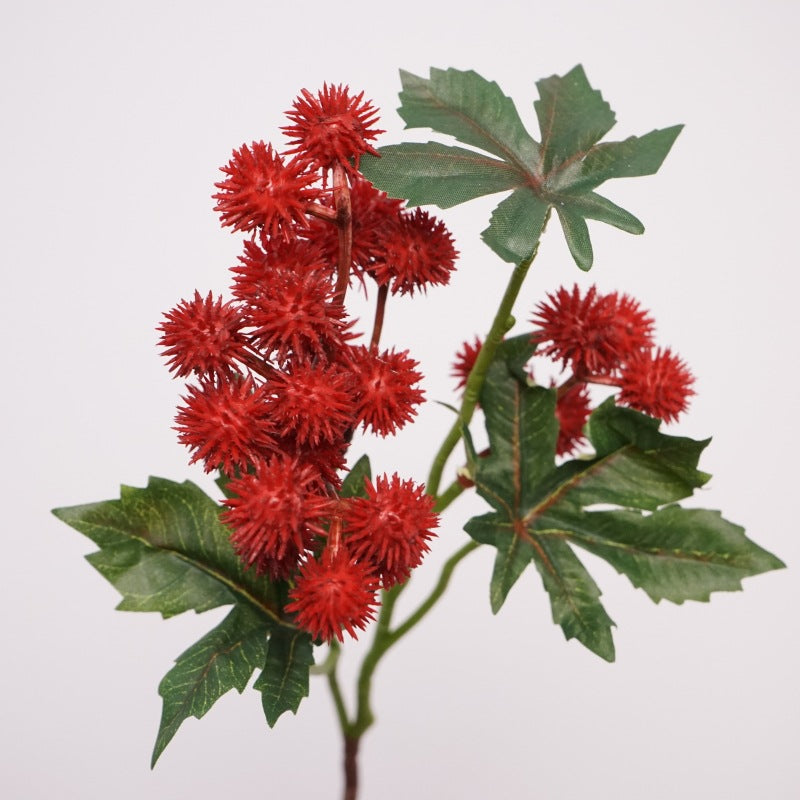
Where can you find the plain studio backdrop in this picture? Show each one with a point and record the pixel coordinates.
(116, 117)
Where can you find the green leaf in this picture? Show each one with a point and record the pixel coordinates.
(165, 549)
(673, 554)
(577, 235)
(222, 660)
(516, 225)
(470, 108)
(574, 597)
(540, 509)
(593, 206)
(634, 157)
(572, 117)
(284, 680)
(353, 484)
(561, 172)
(514, 553)
(436, 174)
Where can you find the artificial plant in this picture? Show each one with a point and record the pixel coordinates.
(304, 543)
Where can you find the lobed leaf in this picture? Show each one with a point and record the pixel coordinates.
(164, 549)
(540, 510)
(558, 173)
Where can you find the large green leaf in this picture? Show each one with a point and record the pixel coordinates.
(560, 173)
(164, 549)
(284, 681)
(222, 660)
(541, 509)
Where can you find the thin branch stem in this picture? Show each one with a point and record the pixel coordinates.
(344, 224)
(380, 311)
(438, 591)
(336, 691)
(447, 496)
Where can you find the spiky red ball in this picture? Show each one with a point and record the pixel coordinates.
(226, 425)
(202, 336)
(298, 315)
(572, 411)
(312, 404)
(274, 514)
(263, 192)
(656, 382)
(385, 389)
(595, 333)
(331, 127)
(417, 251)
(465, 361)
(256, 264)
(333, 595)
(390, 528)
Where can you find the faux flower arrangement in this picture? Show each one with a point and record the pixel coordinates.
(306, 545)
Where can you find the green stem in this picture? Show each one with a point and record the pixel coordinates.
(447, 496)
(438, 591)
(336, 692)
(380, 644)
(500, 325)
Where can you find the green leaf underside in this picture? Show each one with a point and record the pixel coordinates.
(222, 660)
(577, 235)
(541, 509)
(560, 173)
(284, 681)
(516, 225)
(164, 549)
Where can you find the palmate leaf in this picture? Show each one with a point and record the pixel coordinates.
(164, 549)
(540, 510)
(559, 172)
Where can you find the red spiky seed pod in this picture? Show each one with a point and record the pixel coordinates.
(312, 404)
(226, 424)
(390, 527)
(298, 315)
(656, 382)
(417, 251)
(263, 192)
(274, 514)
(385, 389)
(203, 336)
(465, 361)
(331, 127)
(254, 271)
(572, 411)
(593, 334)
(333, 595)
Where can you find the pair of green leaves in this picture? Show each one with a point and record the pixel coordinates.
(541, 511)
(559, 172)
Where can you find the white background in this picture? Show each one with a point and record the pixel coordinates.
(115, 119)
